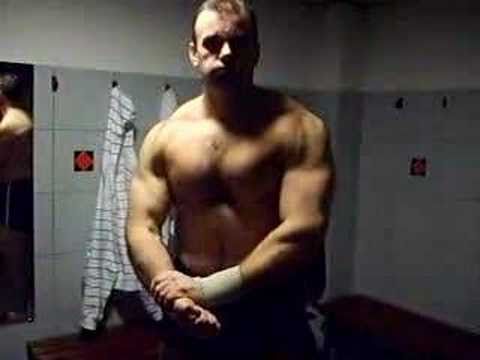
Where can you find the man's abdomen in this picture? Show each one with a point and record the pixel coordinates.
(218, 236)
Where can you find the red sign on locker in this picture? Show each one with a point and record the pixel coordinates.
(83, 161)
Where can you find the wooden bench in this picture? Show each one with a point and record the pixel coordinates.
(360, 327)
(140, 342)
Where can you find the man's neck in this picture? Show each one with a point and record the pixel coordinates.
(229, 106)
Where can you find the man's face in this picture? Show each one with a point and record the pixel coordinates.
(225, 52)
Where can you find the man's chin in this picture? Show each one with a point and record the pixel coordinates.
(226, 81)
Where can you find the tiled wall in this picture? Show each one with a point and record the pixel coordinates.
(417, 238)
(68, 120)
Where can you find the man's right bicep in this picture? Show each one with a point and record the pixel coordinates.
(149, 200)
(149, 195)
(149, 205)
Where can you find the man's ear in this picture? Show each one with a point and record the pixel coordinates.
(193, 54)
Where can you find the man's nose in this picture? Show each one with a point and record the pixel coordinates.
(225, 51)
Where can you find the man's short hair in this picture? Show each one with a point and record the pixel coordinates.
(240, 7)
(10, 87)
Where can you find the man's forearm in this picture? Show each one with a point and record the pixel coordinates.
(148, 253)
(289, 248)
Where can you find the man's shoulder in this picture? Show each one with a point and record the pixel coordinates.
(16, 122)
(305, 135)
(187, 111)
(300, 112)
(298, 121)
(166, 128)
(287, 106)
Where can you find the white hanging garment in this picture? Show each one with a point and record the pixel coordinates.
(168, 103)
(108, 266)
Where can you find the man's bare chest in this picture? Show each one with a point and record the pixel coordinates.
(216, 167)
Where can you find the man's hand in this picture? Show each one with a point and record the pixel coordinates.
(194, 319)
(170, 286)
(180, 296)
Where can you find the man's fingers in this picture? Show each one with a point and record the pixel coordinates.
(158, 291)
(206, 325)
(164, 295)
(212, 320)
(172, 285)
(158, 279)
(195, 319)
(166, 292)
(186, 308)
(157, 284)
(169, 294)
(207, 320)
(202, 319)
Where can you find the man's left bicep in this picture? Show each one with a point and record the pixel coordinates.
(307, 182)
(305, 193)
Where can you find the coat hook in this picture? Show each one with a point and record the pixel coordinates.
(445, 102)
(400, 103)
(114, 80)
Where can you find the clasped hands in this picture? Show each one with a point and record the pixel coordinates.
(180, 296)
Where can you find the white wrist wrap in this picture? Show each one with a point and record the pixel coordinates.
(222, 287)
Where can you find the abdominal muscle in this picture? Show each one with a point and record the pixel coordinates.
(217, 236)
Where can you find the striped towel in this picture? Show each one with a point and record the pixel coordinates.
(108, 266)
